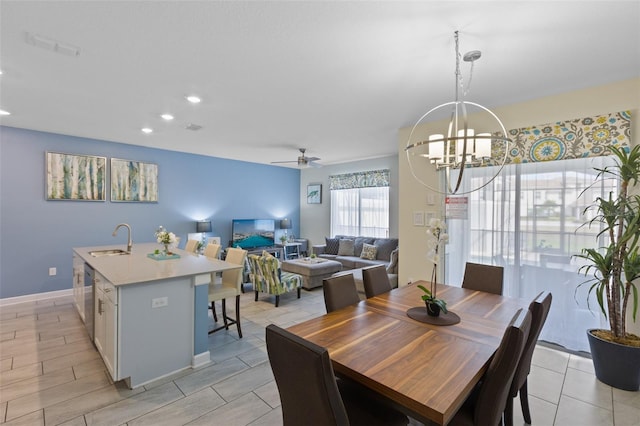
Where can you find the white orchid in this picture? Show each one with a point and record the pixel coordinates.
(436, 236)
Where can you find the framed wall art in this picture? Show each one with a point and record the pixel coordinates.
(314, 193)
(134, 181)
(75, 177)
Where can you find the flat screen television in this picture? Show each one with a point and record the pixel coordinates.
(253, 233)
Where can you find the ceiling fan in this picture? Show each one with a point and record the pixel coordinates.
(303, 161)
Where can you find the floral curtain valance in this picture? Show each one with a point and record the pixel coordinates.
(563, 140)
(370, 179)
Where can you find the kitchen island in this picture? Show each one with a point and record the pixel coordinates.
(150, 314)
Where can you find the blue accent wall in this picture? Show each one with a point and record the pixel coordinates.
(36, 234)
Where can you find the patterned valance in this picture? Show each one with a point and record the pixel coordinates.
(370, 179)
(563, 140)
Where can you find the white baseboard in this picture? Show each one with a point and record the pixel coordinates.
(201, 359)
(35, 297)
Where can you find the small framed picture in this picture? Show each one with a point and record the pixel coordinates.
(314, 193)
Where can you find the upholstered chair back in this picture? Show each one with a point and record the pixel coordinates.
(375, 280)
(339, 292)
(483, 277)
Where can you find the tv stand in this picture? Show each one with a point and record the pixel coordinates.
(277, 252)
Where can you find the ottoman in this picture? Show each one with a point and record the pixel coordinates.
(313, 271)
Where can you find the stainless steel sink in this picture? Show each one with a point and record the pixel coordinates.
(112, 252)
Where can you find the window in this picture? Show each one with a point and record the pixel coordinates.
(360, 204)
(533, 227)
(360, 211)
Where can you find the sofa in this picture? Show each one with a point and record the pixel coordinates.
(355, 253)
(348, 250)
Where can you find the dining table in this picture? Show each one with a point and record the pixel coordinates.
(427, 370)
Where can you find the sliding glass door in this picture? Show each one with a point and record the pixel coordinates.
(529, 220)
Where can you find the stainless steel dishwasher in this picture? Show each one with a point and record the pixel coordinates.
(89, 281)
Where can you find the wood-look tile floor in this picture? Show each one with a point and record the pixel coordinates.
(50, 374)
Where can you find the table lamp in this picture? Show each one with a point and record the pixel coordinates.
(203, 226)
(285, 224)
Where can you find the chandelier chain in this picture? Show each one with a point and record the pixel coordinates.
(459, 76)
(461, 146)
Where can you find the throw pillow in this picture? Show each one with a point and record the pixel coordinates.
(385, 247)
(332, 245)
(368, 251)
(359, 242)
(345, 248)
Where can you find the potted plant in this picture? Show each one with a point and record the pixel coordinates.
(283, 239)
(613, 268)
(436, 237)
(434, 305)
(165, 238)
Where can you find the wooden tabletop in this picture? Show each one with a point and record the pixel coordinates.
(430, 370)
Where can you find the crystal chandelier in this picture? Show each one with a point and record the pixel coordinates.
(459, 146)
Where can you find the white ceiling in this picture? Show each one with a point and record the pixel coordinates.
(338, 78)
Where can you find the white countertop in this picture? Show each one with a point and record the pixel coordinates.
(136, 267)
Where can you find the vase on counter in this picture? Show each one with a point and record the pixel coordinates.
(166, 249)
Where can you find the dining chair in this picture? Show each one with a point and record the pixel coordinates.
(191, 246)
(483, 277)
(539, 309)
(488, 400)
(339, 291)
(228, 286)
(375, 280)
(309, 391)
(212, 251)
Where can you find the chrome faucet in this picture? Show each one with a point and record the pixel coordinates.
(129, 242)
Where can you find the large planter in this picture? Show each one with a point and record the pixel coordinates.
(616, 365)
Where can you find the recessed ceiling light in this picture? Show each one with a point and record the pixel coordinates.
(167, 117)
(146, 130)
(3, 112)
(193, 99)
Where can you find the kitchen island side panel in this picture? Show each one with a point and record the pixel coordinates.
(202, 322)
(156, 329)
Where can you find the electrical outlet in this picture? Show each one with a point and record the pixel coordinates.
(52, 272)
(159, 302)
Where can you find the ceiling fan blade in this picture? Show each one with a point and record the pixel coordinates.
(282, 162)
(311, 158)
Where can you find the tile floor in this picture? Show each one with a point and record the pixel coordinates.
(51, 374)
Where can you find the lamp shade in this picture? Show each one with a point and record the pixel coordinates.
(203, 226)
(285, 224)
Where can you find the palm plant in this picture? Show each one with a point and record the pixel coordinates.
(615, 266)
